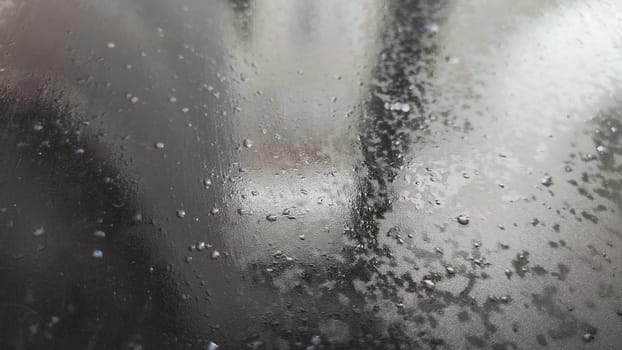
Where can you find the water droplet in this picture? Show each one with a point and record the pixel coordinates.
(207, 183)
(215, 255)
(200, 246)
(429, 285)
(588, 337)
(450, 270)
(133, 99)
(98, 254)
(159, 145)
(452, 59)
(99, 233)
(79, 151)
(172, 99)
(431, 27)
(111, 45)
(38, 232)
(215, 211)
(601, 149)
(546, 181)
(397, 106)
(271, 217)
(508, 273)
(567, 169)
(134, 346)
(302, 237)
(181, 213)
(316, 340)
(188, 259)
(212, 346)
(248, 143)
(588, 157)
(137, 217)
(185, 110)
(463, 219)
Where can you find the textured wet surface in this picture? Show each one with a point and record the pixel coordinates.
(310, 174)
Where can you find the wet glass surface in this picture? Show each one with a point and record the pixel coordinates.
(310, 174)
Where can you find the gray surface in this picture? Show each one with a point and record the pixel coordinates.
(502, 95)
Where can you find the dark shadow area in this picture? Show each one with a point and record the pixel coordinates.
(57, 193)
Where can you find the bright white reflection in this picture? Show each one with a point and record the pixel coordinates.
(304, 134)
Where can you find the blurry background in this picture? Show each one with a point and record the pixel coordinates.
(288, 174)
